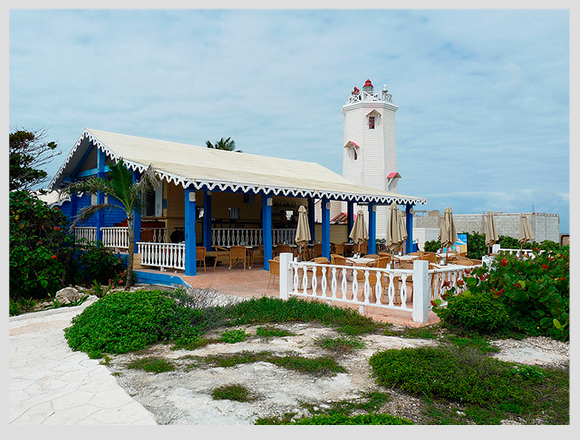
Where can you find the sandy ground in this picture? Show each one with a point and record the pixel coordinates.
(184, 396)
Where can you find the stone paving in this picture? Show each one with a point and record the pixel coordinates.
(49, 384)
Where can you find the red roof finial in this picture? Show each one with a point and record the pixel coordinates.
(368, 83)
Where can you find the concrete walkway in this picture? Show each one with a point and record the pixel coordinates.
(52, 385)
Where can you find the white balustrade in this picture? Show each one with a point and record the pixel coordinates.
(115, 237)
(249, 236)
(87, 233)
(162, 255)
(410, 290)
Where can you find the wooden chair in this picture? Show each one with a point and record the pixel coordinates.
(338, 248)
(430, 257)
(200, 252)
(220, 252)
(382, 262)
(316, 250)
(282, 248)
(274, 271)
(258, 254)
(375, 256)
(238, 253)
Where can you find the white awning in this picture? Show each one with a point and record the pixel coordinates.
(206, 168)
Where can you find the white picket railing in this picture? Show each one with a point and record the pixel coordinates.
(115, 237)
(409, 290)
(86, 233)
(249, 236)
(162, 255)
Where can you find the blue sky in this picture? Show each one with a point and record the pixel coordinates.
(483, 95)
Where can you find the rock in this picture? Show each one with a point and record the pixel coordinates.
(67, 295)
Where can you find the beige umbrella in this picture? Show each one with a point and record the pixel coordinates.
(402, 227)
(491, 236)
(526, 232)
(447, 232)
(394, 237)
(359, 232)
(302, 230)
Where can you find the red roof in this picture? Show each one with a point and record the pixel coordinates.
(368, 83)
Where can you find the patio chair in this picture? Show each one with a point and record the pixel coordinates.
(258, 254)
(316, 250)
(337, 248)
(238, 253)
(220, 252)
(274, 271)
(282, 248)
(200, 252)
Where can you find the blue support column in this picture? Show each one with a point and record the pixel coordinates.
(267, 229)
(409, 244)
(372, 228)
(101, 158)
(137, 216)
(311, 220)
(207, 220)
(349, 213)
(325, 228)
(190, 240)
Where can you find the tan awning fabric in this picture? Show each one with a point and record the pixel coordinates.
(491, 236)
(359, 233)
(206, 168)
(302, 229)
(526, 232)
(394, 238)
(447, 232)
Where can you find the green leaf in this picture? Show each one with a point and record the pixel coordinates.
(557, 324)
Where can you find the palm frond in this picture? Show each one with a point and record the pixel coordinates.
(88, 211)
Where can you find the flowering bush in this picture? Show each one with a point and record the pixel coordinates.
(534, 291)
(41, 250)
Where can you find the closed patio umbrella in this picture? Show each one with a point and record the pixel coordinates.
(447, 232)
(359, 232)
(302, 230)
(402, 227)
(491, 236)
(394, 237)
(526, 232)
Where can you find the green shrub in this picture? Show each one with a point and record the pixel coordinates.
(272, 332)
(152, 365)
(97, 263)
(41, 249)
(432, 246)
(361, 419)
(475, 311)
(236, 392)
(340, 344)
(271, 310)
(124, 321)
(233, 336)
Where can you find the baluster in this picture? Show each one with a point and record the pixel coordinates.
(333, 283)
(354, 285)
(344, 285)
(304, 280)
(404, 290)
(367, 287)
(314, 281)
(324, 281)
(391, 289)
(379, 288)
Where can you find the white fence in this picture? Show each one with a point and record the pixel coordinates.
(249, 236)
(397, 289)
(117, 236)
(86, 233)
(162, 255)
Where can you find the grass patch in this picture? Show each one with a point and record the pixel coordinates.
(341, 344)
(236, 392)
(272, 332)
(490, 389)
(233, 336)
(152, 365)
(427, 332)
(361, 419)
(318, 366)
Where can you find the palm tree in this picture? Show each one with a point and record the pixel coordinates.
(223, 144)
(119, 184)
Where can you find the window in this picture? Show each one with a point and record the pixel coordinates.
(153, 203)
(371, 122)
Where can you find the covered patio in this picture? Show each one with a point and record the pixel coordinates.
(215, 199)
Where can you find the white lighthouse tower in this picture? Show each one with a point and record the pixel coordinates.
(370, 146)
